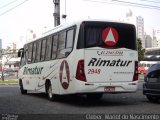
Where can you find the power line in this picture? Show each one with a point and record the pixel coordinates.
(150, 1)
(138, 4)
(117, 2)
(13, 8)
(8, 4)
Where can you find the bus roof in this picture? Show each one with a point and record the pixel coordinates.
(66, 25)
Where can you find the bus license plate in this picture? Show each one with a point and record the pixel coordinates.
(109, 89)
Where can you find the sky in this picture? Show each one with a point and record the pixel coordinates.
(38, 15)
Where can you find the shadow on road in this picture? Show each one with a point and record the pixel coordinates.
(107, 100)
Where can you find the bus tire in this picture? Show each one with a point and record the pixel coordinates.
(23, 91)
(94, 96)
(49, 91)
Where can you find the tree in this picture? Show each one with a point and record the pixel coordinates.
(141, 50)
(7, 54)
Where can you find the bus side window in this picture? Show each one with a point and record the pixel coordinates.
(43, 51)
(54, 46)
(29, 52)
(61, 45)
(23, 59)
(34, 51)
(69, 41)
(38, 55)
(48, 48)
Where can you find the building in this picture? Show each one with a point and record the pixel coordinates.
(148, 41)
(155, 42)
(30, 35)
(12, 65)
(12, 45)
(10, 62)
(156, 37)
(140, 29)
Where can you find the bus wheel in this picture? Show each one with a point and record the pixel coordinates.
(94, 96)
(21, 87)
(49, 92)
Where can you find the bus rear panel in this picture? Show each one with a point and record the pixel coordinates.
(110, 59)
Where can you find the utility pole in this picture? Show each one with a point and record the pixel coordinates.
(56, 13)
(64, 15)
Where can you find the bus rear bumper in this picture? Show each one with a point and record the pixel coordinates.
(116, 87)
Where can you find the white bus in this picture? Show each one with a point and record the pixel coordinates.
(87, 57)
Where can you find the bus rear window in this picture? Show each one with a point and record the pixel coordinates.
(91, 35)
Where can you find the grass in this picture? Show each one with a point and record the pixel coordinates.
(9, 82)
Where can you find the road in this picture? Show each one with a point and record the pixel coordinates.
(12, 102)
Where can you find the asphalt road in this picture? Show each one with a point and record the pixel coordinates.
(12, 102)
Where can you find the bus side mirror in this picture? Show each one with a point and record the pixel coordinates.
(21, 53)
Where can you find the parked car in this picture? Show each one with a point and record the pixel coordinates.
(151, 86)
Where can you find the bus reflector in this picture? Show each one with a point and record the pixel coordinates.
(135, 77)
(80, 74)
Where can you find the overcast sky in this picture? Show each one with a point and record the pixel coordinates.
(37, 14)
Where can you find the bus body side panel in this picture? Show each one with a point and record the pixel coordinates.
(28, 77)
(34, 76)
(50, 72)
(68, 81)
(21, 77)
(67, 68)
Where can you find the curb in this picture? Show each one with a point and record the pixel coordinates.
(13, 82)
(8, 83)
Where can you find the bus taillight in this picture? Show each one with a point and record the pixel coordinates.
(135, 77)
(80, 74)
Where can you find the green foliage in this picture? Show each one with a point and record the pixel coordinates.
(141, 50)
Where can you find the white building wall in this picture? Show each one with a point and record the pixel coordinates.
(140, 29)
